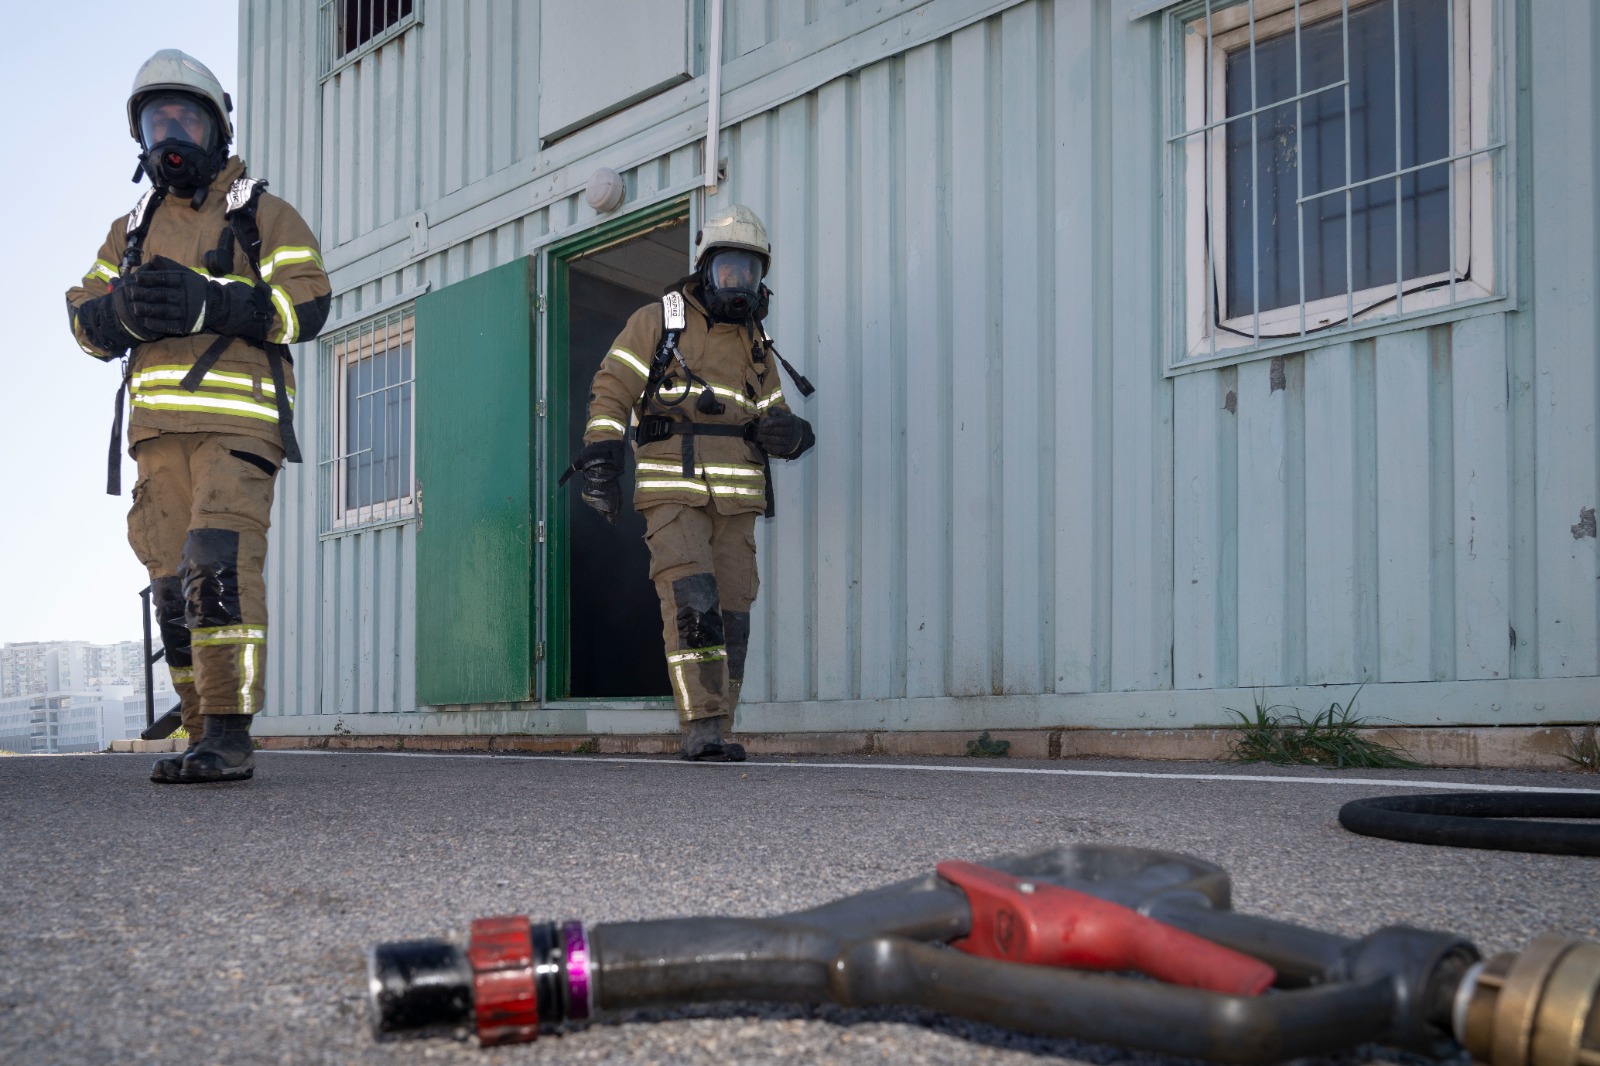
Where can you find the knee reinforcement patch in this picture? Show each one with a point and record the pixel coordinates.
(211, 578)
(699, 619)
(166, 593)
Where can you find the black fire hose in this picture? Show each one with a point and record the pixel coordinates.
(1463, 820)
(1013, 943)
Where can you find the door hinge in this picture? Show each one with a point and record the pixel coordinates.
(540, 407)
(539, 302)
(538, 652)
(541, 531)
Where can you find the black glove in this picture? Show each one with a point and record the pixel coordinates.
(600, 464)
(104, 329)
(168, 299)
(784, 435)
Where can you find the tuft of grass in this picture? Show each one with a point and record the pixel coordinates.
(1584, 751)
(985, 748)
(1279, 733)
(588, 747)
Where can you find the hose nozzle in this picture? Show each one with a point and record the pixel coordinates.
(1539, 1007)
(515, 978)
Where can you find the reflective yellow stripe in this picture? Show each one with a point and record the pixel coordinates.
(285, 256)
(289, 324)
(103, 270)
(736, 490)
(622, 355)
(699, 655)
(212, 636)
(605, 423)
(775, 397)
(184, 401)
(181, 675)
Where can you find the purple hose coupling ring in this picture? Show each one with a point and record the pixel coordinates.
(577, 969)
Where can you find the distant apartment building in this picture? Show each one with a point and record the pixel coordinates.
(39, 667)
(61, 723)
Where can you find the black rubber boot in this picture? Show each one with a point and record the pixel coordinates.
(702, 741)
(224, 753)
(169, 771)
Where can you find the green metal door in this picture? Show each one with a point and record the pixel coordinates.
(475, 537)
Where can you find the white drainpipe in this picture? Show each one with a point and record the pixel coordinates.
(714, 94)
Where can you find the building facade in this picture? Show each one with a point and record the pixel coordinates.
(1170, 356)
(66, 723)
(38, 667)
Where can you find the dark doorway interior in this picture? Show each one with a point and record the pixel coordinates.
(615, 624)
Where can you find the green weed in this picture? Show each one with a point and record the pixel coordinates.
(1280, 734)
(985, 748)
(1584, 751)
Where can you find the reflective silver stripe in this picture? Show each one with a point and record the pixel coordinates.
(181, 675)
(681, 688)
(658, 467)
(672, 486)
(102, 269)
(622, 355)
(285, 256)
(604, 423)
(175, 374)
(184, 401)
(248, 655)
(699, 655)
(736, 490)
(775, 397)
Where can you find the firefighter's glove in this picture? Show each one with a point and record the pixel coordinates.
(168, 299)
(600, 465)
(102, 326)
(784, 435)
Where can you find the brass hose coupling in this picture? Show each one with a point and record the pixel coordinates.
(1540, 1007)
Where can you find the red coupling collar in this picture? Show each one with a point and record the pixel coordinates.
(504, 997)
(1015, 919)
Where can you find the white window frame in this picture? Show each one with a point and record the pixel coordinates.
(1476, 210)
(329, 18)
(339, 351)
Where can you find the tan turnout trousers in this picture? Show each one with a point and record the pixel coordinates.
(201, 508)
(703, 564)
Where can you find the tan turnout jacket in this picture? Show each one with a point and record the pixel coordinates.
(237, 396)
(727, 470)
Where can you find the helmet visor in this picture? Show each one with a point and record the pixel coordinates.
(176, 117)
(735, 268)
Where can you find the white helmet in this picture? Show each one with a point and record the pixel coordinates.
(737, 227)
(170, 70)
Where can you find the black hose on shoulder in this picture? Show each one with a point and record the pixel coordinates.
(1469, 820)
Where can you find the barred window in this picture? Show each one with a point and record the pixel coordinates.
(367, 466)
(1337, 166)
(352, 28)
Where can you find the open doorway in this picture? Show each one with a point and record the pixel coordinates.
(613, 645)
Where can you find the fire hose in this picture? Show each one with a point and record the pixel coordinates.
(1109, 945)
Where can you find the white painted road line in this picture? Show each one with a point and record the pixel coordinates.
(1365, 782)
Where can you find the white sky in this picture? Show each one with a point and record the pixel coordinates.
(66, 571)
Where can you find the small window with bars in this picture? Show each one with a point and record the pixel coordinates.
(367, 471)
(352, 28)
(1337, 165)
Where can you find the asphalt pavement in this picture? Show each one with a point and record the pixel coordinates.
(229, 923)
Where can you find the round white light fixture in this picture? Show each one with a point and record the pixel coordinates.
(606, 190)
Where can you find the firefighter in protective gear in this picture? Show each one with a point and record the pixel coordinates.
(694, 373)
(200, 290)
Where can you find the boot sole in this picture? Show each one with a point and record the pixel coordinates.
(202, 777)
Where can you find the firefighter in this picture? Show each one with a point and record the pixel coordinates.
(199, 291)
(696, 374)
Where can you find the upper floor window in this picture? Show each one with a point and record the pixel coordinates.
(352, 28)
(367, 467)
(1337, 166)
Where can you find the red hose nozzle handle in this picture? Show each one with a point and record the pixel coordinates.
(1018, 920)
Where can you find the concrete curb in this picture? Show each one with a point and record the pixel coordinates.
(1508, 748)
(148, 746)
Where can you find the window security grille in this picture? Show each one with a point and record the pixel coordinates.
(1337, 165)
(352, 28)
(366, 467)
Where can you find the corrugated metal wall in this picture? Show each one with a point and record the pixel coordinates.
(1007, 497)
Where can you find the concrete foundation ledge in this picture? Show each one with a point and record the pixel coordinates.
(150, 746)
(1501, 748)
